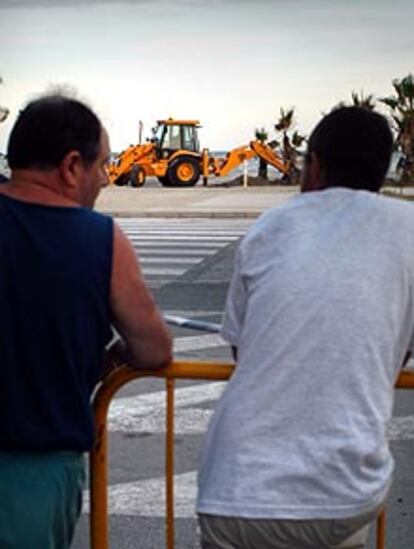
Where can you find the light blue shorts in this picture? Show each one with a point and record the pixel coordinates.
(40, 499)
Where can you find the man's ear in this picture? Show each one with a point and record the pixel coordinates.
(316, 172)
(71, 168)
(312, 175)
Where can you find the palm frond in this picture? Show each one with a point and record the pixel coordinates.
(261, 134)
(274, 143)
(364, 101)
(407, 86)
(3, 113)
(285, 120)
(391, 102)
(297, 139)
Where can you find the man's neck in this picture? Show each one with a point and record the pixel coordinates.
(41, 187)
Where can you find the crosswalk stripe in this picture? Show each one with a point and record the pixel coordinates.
(146, 498)
(195, 343)
(170, 260)
(190, 244)
(208, 237)
(167, 249)
(145, 413)
(193, 230)
(174, 251)
(165, 271)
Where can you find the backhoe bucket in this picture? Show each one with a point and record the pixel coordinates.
(268, 155)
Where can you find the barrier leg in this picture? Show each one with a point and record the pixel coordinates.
(381, 530)
(169, 464)
(98, 470)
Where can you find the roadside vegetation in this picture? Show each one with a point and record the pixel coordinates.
(262, 136)
(401, 106)
(288, 143)
(4, 112)
(4, 171)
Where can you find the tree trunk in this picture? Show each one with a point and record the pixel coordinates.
(262, 169)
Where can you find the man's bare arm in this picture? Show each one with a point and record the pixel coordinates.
(136, 316)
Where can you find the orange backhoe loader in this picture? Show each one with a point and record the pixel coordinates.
(173, 156)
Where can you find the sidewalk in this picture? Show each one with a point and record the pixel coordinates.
(221, 202)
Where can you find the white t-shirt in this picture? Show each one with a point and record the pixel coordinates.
(321, 310)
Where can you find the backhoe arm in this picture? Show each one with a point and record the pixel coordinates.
(223, 166)
(234, 158)
(268, 155)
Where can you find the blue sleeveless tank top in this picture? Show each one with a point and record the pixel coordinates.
(55, 271)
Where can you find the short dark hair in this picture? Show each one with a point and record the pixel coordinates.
(353, 146)
(48, 128)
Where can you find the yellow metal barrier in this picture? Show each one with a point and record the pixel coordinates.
(99, 455)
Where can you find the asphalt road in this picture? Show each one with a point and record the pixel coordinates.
(197, 289)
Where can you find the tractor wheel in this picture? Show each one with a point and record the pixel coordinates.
(121, 180)
(137, 176)
(163, 179)
(184, 172)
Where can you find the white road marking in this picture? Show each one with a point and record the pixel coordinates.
(167, 250)
(146, 498)
(170, 237)
(183, 246)
(178, 260)
(182, 252)
(195, 343)
(188, 231)
(190, 314)
(192, 421)
(401, 428)
(146, 413)
(165, 271)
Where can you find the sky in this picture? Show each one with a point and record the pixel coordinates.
(231, 64)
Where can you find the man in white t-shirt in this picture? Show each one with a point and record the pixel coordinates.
(320, 314)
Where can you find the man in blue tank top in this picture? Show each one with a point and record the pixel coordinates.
(67, 274)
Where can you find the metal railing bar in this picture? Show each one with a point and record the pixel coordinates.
(200, 325)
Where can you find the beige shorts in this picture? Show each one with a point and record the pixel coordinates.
(238, 533)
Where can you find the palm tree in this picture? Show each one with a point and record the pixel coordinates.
(290, 143)
(3, 111)
(357, 100)
(402, 113)
(262, 136)
(364, 101)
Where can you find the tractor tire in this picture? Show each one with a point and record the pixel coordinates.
(183, 172)
(121, 180)
(137, 176)
(165, 182)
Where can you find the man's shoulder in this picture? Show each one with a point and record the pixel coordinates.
(396, 210)
(396, 202)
